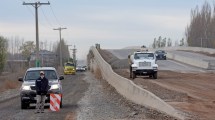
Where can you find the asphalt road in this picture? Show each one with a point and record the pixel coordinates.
(162, 64)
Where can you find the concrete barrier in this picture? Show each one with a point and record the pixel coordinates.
(188, 60)
(194, 49)
(130, 90)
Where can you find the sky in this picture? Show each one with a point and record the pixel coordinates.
(114, 24)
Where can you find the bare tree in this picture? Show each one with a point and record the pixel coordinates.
(201, 30)
(169, 42)
(65, 51)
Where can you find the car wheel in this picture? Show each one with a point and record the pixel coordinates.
(155, 75)
(24, 105)
(61, 103)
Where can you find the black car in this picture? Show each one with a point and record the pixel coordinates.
(160, 55)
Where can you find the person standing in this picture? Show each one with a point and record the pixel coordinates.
(42, 87)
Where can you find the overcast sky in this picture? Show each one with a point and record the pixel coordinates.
(112, 23)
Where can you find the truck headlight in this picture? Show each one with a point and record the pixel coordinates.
(54, 87)
(134, 67)
(155, 68)
(26, 88)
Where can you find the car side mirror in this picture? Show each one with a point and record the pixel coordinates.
(61, 78)
(20, 79)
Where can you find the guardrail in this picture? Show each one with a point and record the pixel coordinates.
(131, 91)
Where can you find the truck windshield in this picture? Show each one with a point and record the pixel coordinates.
(144, 56)
(69, 64)
(33, 75)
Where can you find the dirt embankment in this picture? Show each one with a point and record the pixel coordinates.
(115, 62)
(193, 93)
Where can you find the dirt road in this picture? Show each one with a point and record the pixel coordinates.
(193, 93)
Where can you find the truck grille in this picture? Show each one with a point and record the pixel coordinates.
(145, 64)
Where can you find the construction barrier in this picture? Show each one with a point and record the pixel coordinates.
(55, 100)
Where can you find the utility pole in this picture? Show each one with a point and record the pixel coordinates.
(36, 5)
(74, 50)
(69, 52)
(60, 29)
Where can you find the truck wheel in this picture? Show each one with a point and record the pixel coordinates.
(130, 75)
(133, 75)
(130, 72)
(155, 75)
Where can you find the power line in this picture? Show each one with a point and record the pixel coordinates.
(47, 18)
(32, 13)
(55, 16)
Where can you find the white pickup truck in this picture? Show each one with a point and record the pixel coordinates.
(143, 64)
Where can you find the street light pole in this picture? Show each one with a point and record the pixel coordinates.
(60, 29)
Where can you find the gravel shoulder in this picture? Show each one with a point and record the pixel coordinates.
(192, 93)
(102, 102)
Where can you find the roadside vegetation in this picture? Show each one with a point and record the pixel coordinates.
(3, 53)
(201, 30)
(16, 57)
(167, 42)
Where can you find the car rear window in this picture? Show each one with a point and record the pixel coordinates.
(33, 75)
(160, 51)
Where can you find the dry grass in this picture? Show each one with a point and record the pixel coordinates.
(10, 80)
(8, 84)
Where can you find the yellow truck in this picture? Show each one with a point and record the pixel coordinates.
(69, 68)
